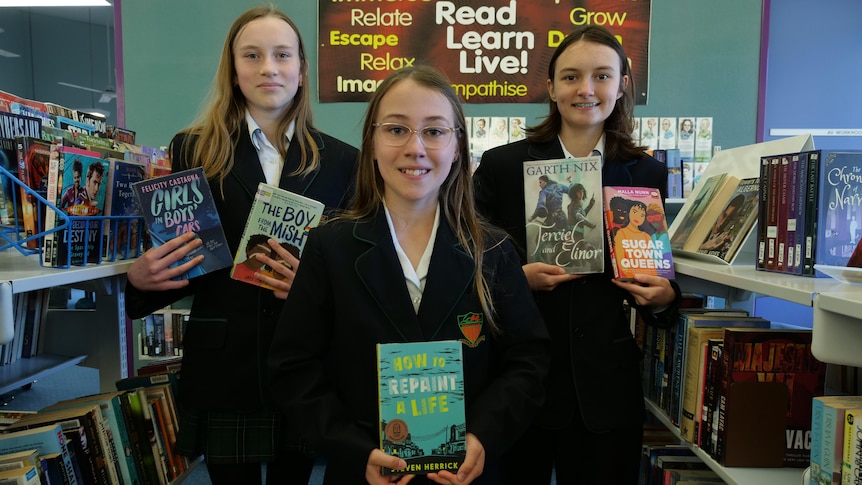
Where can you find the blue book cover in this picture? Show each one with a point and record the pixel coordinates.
(81, 193)
(839, 219)
(123, 234)
(421, 401)
(182, 202)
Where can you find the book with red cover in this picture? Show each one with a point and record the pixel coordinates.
(636, 229)
(779, 356)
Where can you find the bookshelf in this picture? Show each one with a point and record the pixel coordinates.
(94, 338)
(837, 330)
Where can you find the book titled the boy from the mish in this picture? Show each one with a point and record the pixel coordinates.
(182, 202)
(275, 214)
(421, 400)
(563, 213)
(637, 232)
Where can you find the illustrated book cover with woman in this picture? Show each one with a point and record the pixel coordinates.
(636, 229)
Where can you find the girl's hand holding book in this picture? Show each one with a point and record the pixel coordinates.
(152, 271)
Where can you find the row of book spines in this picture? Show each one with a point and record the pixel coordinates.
(163, 333)
(684, 374)
(131, 440)
(669, 462)
(787, 214)
(29, 312)
(836, 440)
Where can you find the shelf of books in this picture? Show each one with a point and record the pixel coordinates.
(24, 273)
(734, 475)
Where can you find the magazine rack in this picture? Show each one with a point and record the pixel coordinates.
(10, 234)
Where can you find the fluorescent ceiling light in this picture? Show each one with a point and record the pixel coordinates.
(54, 3)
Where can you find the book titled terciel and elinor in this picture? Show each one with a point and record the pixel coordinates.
(421, 403)
(563, 213)
(182, 202)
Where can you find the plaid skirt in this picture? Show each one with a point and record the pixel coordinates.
(232, 438)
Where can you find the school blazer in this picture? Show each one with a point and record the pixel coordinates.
(350, 294)
(231, 323)
(594, 357)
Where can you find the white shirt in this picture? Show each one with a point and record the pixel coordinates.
(414, 278)
(598, 150)
(270, 160)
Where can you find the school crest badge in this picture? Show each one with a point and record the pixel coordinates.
(471, 327)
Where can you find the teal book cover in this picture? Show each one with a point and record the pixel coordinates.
(421, 399)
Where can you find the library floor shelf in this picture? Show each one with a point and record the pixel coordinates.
(836, 336)
(94, 338)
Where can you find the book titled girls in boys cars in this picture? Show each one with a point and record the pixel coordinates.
(182, 202)
(636, 229)
(275, 214)
(421, 403)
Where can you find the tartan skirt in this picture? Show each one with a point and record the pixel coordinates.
(232, 438)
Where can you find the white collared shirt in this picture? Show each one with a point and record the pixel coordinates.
(414, 278)
(270, 160)
(598, 150)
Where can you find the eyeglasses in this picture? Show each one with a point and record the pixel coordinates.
(433, 137)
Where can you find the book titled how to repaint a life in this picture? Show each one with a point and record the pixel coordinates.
(182, 202)
(421, 399)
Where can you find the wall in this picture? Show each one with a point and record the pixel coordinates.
(55, 49)
(704, 62)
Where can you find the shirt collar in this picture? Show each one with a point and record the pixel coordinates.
(418, 275)
(256, 134)
(599, 149)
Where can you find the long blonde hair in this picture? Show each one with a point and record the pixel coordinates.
(456, 192)
(223, 118)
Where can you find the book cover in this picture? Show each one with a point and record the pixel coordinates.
(421, 402)
(122, 234)
(277, 214)
(563, 215)
(636, 228)
(14, 125)
(711, 197)
(811, 190)
(839, 208)
(781, 356)
(9, 199)
(182, 202)
(33, 156)
(781, 237)
(46, 439)
(730, 229)
(25, 475)
(667, 135)
(703, 141)
(81, 193)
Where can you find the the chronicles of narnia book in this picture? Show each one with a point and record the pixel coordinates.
(182, 202)
(637, 232)
(277, 214)
(421, 399)
(563, 213)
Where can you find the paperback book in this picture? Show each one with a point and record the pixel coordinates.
(730, 229)
(563, 216)
(33, 157)
(637, 232)
(182, 202)
(839, 221)
(123, 239)
(82, 189)
(710, 199)
(275, 214)
(421, 403)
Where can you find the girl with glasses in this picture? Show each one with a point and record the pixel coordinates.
(407, 262)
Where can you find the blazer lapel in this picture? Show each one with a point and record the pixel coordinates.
(246, 167)
(450, 276)
(380, 271)
(298, 185)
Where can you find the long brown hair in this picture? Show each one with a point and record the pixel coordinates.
(223, 118)
(618, 126)
(456, 192)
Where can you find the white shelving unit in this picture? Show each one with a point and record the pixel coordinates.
(837, 331)
(94, 338)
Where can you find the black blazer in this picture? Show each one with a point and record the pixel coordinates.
(226, 341)
(595, 358)
(350, 294)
